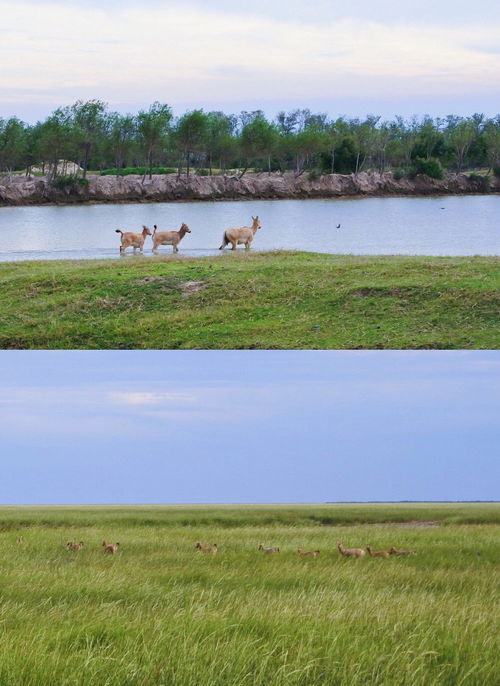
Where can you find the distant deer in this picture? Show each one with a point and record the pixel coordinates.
(73, 545)
(395, 551)
(268, 550)
(350, 552)
(311, 553)
(111, 548)
(172, 238)
(376, 553)
(133, 240)
(206, 548)
(243, 235)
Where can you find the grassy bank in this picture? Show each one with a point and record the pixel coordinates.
(258, 300)
(160, 613)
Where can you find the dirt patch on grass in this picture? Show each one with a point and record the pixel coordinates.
(186, 287)
(189, 287)
(382, 291)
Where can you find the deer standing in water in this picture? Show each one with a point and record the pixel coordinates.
(242, 236)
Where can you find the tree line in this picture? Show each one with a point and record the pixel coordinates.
(98, 139)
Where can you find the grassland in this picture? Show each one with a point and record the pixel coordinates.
(160, 613)
(261, 300)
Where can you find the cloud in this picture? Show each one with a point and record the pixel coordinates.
(148, 398)
(177, 53)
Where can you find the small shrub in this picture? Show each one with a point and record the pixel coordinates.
(398, 174)
(314, 175)
(431, 167)
(202, 172)
(479, 182)
(496, 171)
(69, 181)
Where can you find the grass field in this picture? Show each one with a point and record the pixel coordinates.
(160, 613)
(252, 301)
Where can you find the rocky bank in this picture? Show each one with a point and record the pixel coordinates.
(20, 190)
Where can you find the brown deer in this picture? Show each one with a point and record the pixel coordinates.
(395, 551)
(243, 235)
(311, 553)
(73, 545)
(133, 240)
(376, 553)
(206, 548)
(172, 238)
(350, 552)
(268, 550)
(111, 548)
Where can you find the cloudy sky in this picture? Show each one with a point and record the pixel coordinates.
(211, 427)
(387, 57)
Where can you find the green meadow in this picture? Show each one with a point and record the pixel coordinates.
(159, 612)
(275, 300)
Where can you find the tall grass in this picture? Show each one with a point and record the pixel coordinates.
(159, 612)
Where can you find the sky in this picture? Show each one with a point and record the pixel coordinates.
(386, 57)
(248, 427)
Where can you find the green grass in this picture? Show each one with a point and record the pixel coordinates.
(258, 300)
(161, 613)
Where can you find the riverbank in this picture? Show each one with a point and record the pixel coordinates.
(276, 300)
(20, 190)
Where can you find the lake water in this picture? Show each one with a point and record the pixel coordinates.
(454, 225)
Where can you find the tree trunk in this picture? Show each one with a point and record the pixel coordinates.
(85, 160)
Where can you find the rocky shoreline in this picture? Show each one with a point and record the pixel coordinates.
(21, 190)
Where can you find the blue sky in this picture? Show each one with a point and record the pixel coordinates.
(388, 57)
(194, 427)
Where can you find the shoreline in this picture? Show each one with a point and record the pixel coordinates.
(38, 191)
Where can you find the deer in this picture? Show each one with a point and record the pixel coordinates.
(111, 548)
(376, 553)
(395, 551)
(206, 548)
(311, 553)
(268, 550)
(172, 238)
(243, 235)
(350, 552)
(73, 545)
(134, 240)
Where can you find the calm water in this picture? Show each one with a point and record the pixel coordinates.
(468, 225)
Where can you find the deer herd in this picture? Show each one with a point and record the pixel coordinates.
(112, 548)
(243, 235)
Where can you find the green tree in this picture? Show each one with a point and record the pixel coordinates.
(121, 137)
(56, 140)
(191, 136)
(152, 127)
(461, 134)
(13, 144)
(89, 126)
(258, 140)
(365, 136)
(492, 140)
(220, 140)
